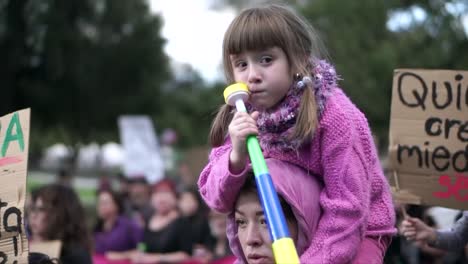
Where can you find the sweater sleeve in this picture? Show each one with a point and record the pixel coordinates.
(456, 238)
(345, 197)
(218, 186)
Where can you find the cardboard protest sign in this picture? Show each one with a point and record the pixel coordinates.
(141, 148)
(429, 137)
(14, 142)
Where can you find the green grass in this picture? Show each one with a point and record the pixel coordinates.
(87, 196)
(31, 185)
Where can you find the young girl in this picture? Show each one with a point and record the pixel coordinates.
(301, 116)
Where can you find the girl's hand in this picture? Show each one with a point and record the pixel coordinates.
(242, 125)
(416, 230)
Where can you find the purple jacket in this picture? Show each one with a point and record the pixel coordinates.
(125, 235)
(356, 199)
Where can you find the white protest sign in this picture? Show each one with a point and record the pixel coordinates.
(141, 148)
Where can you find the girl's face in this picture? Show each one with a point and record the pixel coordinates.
(266, 72)
(38, 219)
(106, 206)
(252, 230)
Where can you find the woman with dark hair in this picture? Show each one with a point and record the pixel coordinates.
(57, 214)
(247, 228)
(113, 230)
(193, 208)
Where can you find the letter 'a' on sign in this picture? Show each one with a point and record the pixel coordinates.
(428, 139)
(14, 144)
(14, 133)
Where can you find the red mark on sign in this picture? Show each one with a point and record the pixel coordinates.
(9, 160)
(456, 189)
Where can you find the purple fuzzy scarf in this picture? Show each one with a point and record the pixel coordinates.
(277, 124)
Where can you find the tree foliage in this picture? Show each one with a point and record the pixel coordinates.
(79, 64)
(189, 108)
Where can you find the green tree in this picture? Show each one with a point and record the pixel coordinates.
(189, 107)
(79, 64)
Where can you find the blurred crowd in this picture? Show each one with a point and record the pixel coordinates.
(135, 222)
(165, 222)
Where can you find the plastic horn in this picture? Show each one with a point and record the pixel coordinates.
(283, 246)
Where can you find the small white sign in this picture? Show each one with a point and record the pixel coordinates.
(141, 148)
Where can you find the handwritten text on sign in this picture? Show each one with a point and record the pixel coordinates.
(14, 139)
(429, 131)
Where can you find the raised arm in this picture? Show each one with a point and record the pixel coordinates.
(218, 186)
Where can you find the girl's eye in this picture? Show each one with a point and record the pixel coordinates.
(240, 64)
(263, 221)
(266, 59)
(240, 222)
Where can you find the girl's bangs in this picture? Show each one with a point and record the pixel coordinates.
(253, 32)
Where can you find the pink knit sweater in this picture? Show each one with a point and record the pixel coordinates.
(355, 201)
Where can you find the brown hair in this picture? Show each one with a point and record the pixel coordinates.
(118, 202)
(65, 216)
(250, 186)
(264, 27)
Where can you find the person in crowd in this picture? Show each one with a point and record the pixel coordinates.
(165, 237)
(123, 186)
(408, 252)
(64, 177)
(194, 209)
(57, 214)
(114, 231)
(220, 252)
(414, 229)
(247, 228)
(104, 182)
(300, 115)
(138, 206)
